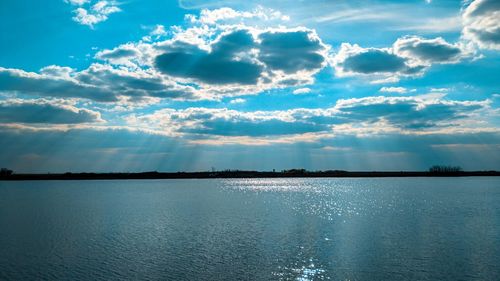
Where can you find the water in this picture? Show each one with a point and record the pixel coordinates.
(251, 229)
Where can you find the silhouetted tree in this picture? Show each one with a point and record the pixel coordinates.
(5, 172)
(445, 169)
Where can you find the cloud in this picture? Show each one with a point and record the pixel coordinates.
(301, 91)
(101, 83)
(291, 51)
(122, 150)
(428, 51)
(237, 101)
(221, 65)
(122, 82)
(209, 59)
(352, 60)
(118, 55)
(44, 111)
(247, 57)
(371, 60)
(399, 90)
(225, 122)
(441, 24)
(408, 112)
(91, 13)
(369, 116)
(408, 56)
(19, 81)
(221, 55)
(228, 15)
(481, 24)
(78, 2)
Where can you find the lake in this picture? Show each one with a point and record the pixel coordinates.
(251, 229)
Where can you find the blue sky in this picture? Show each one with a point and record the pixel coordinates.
(90, 85)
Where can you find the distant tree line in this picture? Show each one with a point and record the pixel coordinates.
(445, 169)
(5, 172)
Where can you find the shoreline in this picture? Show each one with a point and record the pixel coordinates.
(243, 174)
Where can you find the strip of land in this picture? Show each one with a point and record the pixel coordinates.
(244, 174)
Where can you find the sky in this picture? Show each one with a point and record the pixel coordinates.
(191, 85)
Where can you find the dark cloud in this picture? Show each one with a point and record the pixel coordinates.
(233, 43)
(31, 83)
(408, 56)
(374, 61)
(44, 112)
(291, 51)
(428, 50)
(230, 60)
(132, 84)
(100, 83)
(220, 66)
(408, 113)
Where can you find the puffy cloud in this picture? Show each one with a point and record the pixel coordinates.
(354, 60)
(291, 51)
(57, 71)
(210, 59)
(91, 13)
(119, 55)
(408, 56)
(44, 111)
(481, 24)
(220, 57)
(247, 57)
(219, 66)
(408, 112)
(370, 115)
(15, 80)
(428, 51)
(122, 82)
(101, 83)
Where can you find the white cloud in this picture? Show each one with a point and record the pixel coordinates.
(481, 23)
(237, 101)
(433, 25)
(227, 15)
(399, 90)
(159, 30)
(77, 2)
(301, 91)
(91, 13)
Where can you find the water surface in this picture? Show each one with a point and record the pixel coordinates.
(251, 229)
